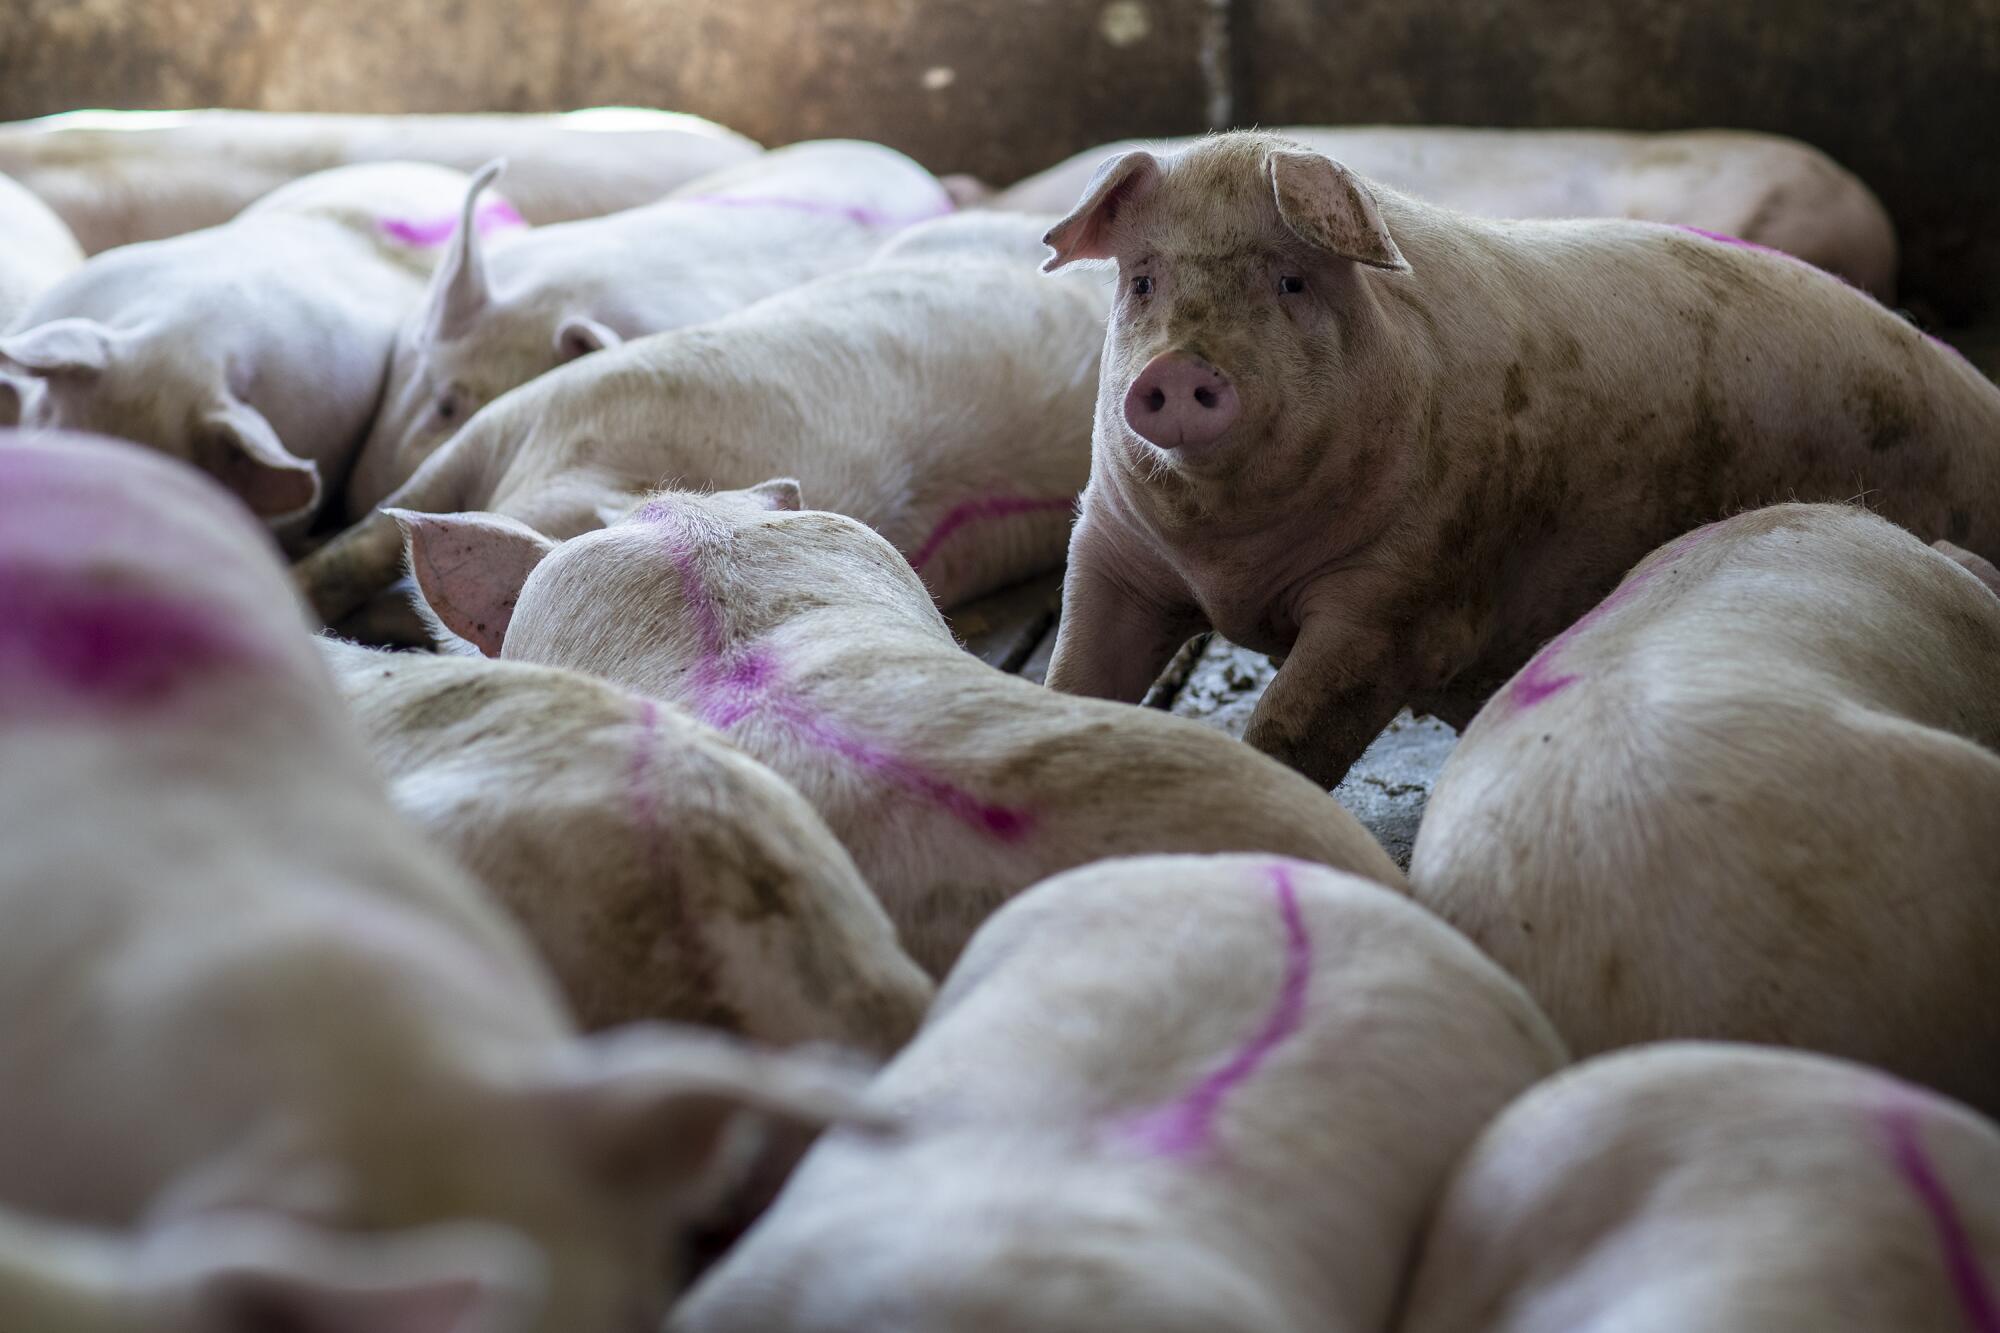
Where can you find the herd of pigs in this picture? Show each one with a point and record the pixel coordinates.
(520, 984)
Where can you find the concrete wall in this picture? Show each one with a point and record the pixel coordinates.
(1902, 93)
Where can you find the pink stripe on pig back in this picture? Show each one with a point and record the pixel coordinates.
(728, 686)
(426, 232)
(1961, 1260)
(979, 510)
(1186, 1126)
(859, 214)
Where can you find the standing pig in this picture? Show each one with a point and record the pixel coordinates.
(662, 874)
(1749, 796)
(1164, 1095)
(1760, 188)
(235, 982)
(1401, 448)
(1722, 1188)
(254, 350)
(944, 399)
(118, 177)
(812, 646)
(562, 292)
(36, 250)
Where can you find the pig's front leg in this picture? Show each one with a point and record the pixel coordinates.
(1338, 688)
(1116, 634)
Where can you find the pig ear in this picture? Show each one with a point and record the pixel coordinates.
(580, 335)
(653, 1108)
(252, 1274)
(779, 493)
(1327, 205)
(246, 456)
(1086, 232)
(459, 288)
(1980, 567)
(470, 568)
(60, 347)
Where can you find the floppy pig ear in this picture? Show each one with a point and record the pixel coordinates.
(60, 347)
(1327, 205)
(470, 568)
(252, 1274)
(650, 1108)
(580, 335)
(245, 455)
(1980, 567)
(1085, 233)
(779, 493)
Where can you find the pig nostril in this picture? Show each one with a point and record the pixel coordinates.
(1206, 397)
(1156, 400)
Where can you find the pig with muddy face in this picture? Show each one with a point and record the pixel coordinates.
(254, 350)
(711, 247)
(1402, 448)
(804, 637)
(1168, 1093)
(1749, 796)
(662, 874)
(369, 1045)
(1731, 1189)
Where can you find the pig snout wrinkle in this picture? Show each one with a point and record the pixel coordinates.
(1180, 400)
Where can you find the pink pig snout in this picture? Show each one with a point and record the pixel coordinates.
(1180, 400)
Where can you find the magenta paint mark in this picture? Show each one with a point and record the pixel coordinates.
(493, 215)
(859, 214)
(1186, 1125)
(1975, 1295)
(75, 636)
(980, 510)
(731, 684)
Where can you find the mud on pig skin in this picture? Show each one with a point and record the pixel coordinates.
(812, 646)
(1402, 448)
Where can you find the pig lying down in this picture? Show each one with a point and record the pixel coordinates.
(713, 247)
(1760, 187)
(1401, 448)
(943, 398)
(662, 874)
(1751, 796)
(122, 176)
(811, 645)
(254, 350)
(1157, 1095)
(1723, 1188)
(241, 985)
(36, 251)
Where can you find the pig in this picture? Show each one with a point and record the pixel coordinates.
(660, 873)
(710, 248)
(812, 646)
(251, 1273)
(944, 399)
(1731, 1189)
(255, 350)
(235, 981)
(1749, 796)
(1401, 448)
(118, 177)
(1157, 1095)
(36, 250)
(1761, 188)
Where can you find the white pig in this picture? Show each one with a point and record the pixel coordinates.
(1749, 796)
(1401, 448)
(1162, 1095)
(123, 176)
(710, 248)
(254, 350)
(944, 399)
(662, 874)
(36, 250)
(811, 645)
(234, 980)
(1758, 187)
(1729, 1189)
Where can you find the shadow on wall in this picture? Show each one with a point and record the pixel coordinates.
(1000, 88)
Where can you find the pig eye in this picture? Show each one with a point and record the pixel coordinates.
(448, 407)
(1290, 286)
(1142, 286)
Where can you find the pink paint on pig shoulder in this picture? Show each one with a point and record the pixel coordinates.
(1961, 1259)
(427, 232)
(979, 510)
(1186, 1125)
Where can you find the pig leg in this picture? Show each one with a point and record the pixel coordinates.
(1114, 641)
(1337, 689)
